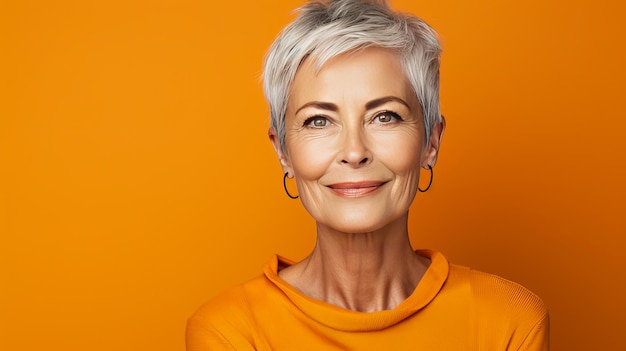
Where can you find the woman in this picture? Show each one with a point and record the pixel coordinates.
(353, 90)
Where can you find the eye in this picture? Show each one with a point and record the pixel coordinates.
(386, 117)
(316, 122)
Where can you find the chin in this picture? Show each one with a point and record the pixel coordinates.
(358, 224)
(358, 216)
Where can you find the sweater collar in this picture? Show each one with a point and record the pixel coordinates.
(347, 320)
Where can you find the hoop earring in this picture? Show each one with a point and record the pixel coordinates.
(285, 186)
(430, 168)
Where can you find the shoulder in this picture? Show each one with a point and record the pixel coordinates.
(500, 294)
(499, 304)
(225, 320)
(232, 306)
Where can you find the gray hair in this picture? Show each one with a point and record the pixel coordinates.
(327, 29)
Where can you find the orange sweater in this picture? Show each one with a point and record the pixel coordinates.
(452, 308)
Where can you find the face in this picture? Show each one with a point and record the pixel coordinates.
(355, 141)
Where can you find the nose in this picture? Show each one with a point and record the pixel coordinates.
(355, 151)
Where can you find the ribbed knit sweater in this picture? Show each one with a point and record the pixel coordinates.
(452, 308)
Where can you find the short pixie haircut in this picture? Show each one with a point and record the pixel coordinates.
(325, 29)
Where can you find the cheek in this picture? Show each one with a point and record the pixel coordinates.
(406, 168)
(310, 158)
(401, 153)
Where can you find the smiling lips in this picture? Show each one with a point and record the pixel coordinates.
(355, 189)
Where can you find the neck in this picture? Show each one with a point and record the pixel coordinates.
(363, 272)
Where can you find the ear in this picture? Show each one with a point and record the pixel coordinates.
(285, 162)
(434, 142)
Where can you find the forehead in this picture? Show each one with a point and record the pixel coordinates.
(354, 76)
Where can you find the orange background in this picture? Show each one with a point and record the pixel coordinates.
(137, 181)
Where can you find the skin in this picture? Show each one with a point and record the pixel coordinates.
(355, 145)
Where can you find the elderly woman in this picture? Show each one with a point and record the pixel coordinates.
(353, 89)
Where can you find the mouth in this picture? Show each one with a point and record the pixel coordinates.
(356, 189)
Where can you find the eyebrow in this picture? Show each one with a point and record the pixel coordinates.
(329, 106)
(377, 102)
(321, 105)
